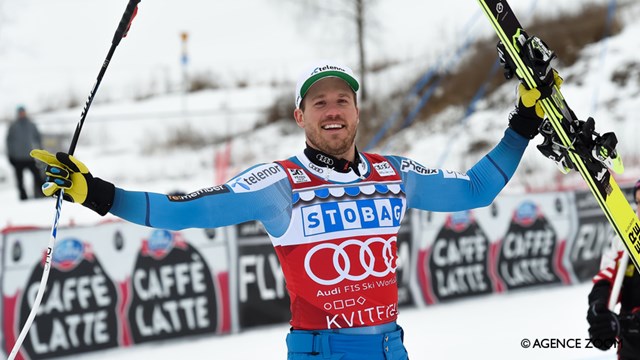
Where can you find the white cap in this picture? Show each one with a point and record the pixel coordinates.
(323, 70)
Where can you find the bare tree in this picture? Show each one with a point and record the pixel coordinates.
(356, 12)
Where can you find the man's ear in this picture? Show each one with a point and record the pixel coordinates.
(299, 116)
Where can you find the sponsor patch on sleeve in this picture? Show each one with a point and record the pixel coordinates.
(410, 165)
(218, 189)
(256, 178)
(299, 176)
(384, 169)
(455, 175)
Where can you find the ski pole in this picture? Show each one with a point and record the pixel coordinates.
(121, 31)
(617, 283)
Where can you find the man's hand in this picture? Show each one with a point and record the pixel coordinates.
(68, 173)
(604, 325)
(528, 114)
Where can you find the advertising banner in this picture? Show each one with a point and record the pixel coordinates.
(262, 294)
(531, 249)
(453, 256)
(516, 242)
(119, 284)
(592, 234)
(405, 273)
(113, 284)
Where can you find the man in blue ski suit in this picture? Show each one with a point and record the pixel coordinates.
(332, 213)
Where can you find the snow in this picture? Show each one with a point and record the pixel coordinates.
(487, 327)
(51, 52)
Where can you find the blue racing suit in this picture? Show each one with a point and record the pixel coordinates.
(334, 225)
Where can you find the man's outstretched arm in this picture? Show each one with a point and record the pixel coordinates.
(260, 193)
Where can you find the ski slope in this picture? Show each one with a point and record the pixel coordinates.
(487, 327)
(52, 50)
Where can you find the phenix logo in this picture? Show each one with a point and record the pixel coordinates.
(410, 165)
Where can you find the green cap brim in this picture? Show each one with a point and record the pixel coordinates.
(353, 83)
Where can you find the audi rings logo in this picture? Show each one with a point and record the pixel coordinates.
(325, 159)
(355, 260)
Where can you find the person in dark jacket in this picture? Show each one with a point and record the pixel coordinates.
(22, 137)
(606, 328)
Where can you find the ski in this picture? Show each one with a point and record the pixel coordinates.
(572, 143)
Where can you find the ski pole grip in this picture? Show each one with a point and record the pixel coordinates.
(125, 22)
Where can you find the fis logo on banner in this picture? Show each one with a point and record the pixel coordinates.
(351, 215)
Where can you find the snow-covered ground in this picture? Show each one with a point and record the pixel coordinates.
(488, 327)
(51, 51)
(124, 141)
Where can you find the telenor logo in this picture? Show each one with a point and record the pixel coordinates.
(256, 178)
(350, 215)
(326, 68)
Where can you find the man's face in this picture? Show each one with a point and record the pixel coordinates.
(330, 117)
